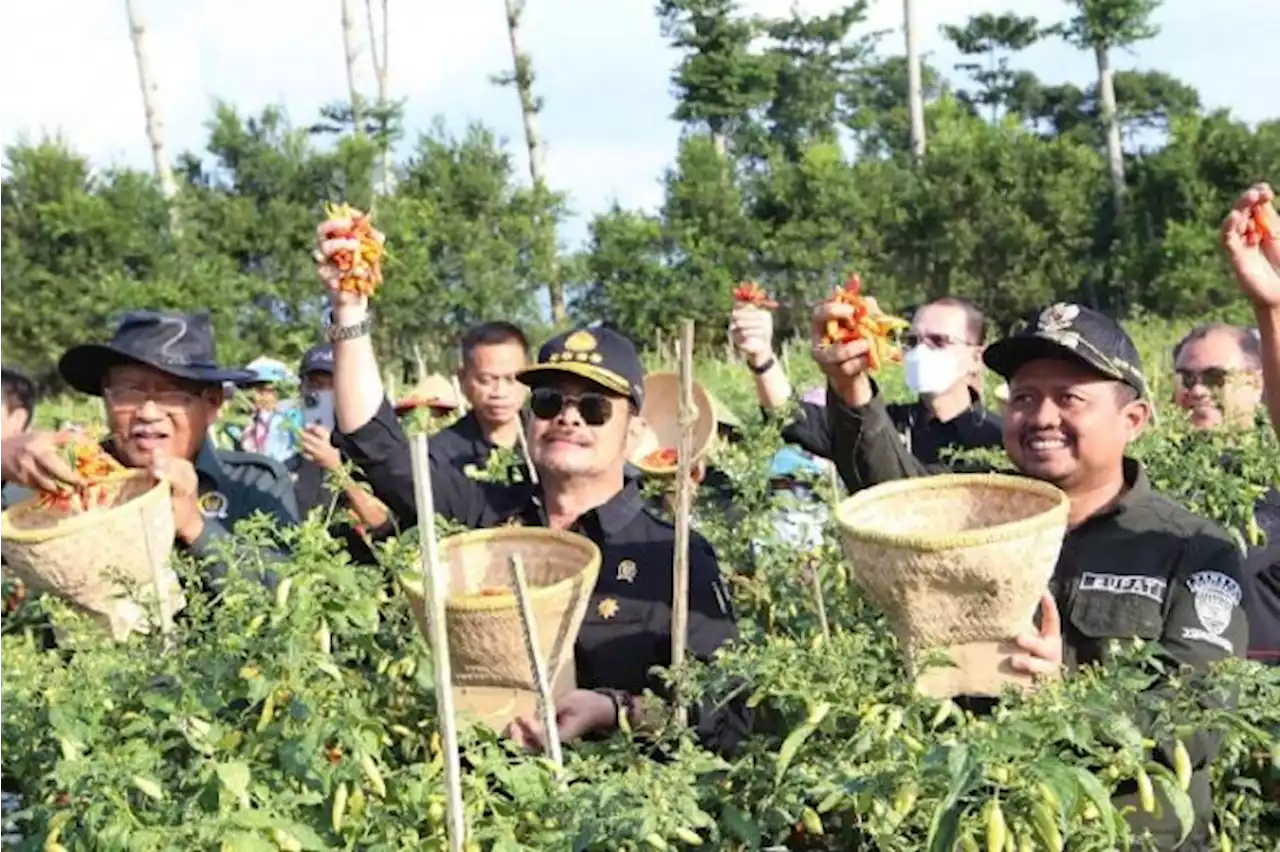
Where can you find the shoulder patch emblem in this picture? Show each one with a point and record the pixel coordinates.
(214, 504)
(1216, 598)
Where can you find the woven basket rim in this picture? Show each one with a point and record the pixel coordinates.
(79, 522)
(658, 382)
(933, 542)
(413, 583)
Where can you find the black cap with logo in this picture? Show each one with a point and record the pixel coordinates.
(1067, 331)
(318, 359)
(599, 355)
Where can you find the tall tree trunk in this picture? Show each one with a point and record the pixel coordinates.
(915, 87)
(350, 44)
(529, 107)
(1111, 123)
(385, 173)
(151, 109)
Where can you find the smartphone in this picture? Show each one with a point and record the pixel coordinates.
(317, 408)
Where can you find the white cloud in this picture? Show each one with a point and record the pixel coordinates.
(602, 67)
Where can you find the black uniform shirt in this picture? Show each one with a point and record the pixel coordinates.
(464, 445)
(1143, 567)
(922, 435)
(627, 629)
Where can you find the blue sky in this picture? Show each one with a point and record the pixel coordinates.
(602, 65)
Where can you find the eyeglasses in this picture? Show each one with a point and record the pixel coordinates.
(1212, 378)
(547, 403)
(934, 341)
(169, 400)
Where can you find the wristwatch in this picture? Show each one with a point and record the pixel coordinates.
(765, 367)
(624, 704)
(338, 333)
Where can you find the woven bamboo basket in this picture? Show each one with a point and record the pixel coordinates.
(958, 563)
(106, 562)
(492, 674)
(661, 417)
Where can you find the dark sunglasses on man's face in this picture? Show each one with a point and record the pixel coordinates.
(547, 403)
(1212, 378)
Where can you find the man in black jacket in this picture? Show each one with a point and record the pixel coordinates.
(586, 393)
(1133, 563)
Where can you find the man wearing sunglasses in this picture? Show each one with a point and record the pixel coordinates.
(586, 390)
(1218, 378)
(943, 368)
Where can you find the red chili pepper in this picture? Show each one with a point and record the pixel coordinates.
(665, 457)
(876, 327)
(751, 293)
(1257, 228)
(361, 270)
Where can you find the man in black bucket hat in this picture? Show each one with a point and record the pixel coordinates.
(162, 389)
(1133, 563)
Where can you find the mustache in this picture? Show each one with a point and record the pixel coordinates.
(572, 436)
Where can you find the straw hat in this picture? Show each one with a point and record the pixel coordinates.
(107, 561)
(958, 563)
(661, 416)
(434, 391)
(492, 675)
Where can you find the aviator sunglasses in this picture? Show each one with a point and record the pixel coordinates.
(547, 403)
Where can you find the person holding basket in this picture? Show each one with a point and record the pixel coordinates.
(1133, 563)
(585, 395)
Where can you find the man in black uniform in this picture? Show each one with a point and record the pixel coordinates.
(943, 365)
(162, 389)
(586, 392)
(1134, 564)
(493, 354)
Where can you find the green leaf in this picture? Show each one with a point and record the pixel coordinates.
(1093, 791)
(244, 841)
(1167, 786)
(235, 778)
(740, 826)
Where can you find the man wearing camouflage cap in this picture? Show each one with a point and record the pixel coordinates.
(1133, 564)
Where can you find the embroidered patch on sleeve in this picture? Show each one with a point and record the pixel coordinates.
(1216, 598)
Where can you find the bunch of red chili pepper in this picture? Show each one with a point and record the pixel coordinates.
(664, 457)
(361, 270)
(1257, 228)
(867, 323)
(93, 465)
(751, 293)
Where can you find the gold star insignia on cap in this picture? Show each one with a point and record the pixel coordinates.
(580, 341)
(596, 358)
(1058, 317)
(627, 571)
(608, 608)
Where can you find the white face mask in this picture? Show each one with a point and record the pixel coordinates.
(930, 371)
(318, 408)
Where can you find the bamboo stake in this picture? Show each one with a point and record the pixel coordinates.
(524, 448)
(688, 416)
(541, 685)
(435, 588)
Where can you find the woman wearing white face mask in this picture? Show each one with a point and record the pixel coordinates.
(318, 458)
(943, 362)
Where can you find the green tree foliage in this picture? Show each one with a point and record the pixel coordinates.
(793, 170)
